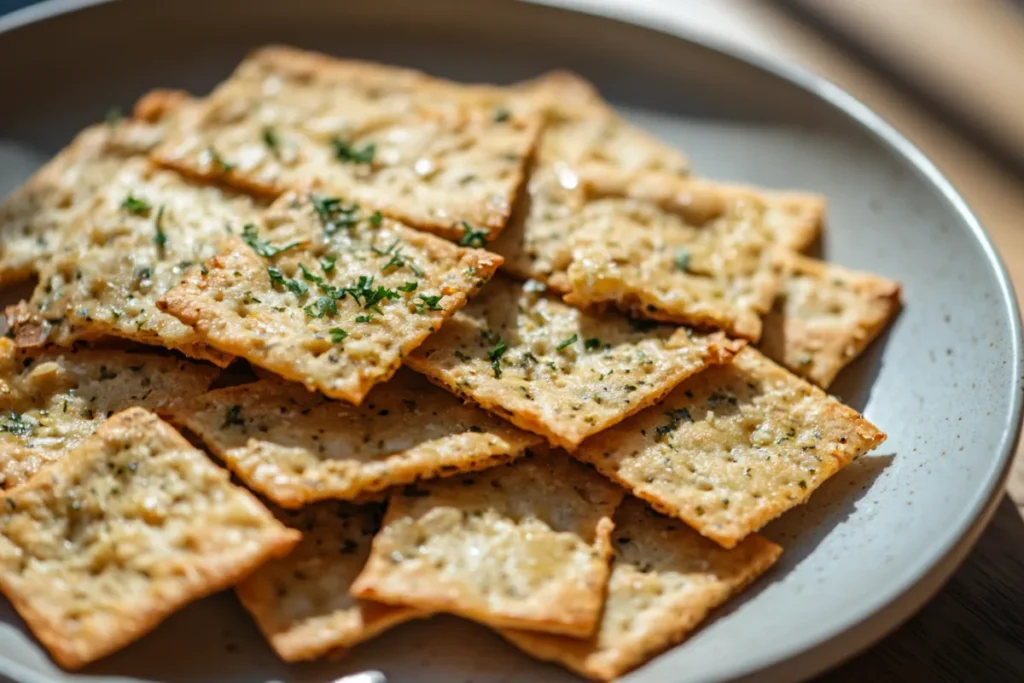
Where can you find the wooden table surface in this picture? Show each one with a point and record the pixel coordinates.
(973, 630)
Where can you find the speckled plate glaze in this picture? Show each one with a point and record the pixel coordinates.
(945, 382)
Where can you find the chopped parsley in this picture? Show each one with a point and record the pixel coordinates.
(501, 115)
(568, 342)
(351, 154)
(114, 116)
(219, 162)
(376, 218)
(160, 238)
(294, 286)
(363, 318)
(322, 306)
(592, 344)
(234, 417)
(251, 236)
(674, 418)
(683, 260)
(495, 354)
(333, 214)
(18, 424)
(327, 263)
(369, 296)
(408, 287)
(135, 205)
(337, 335)
(271, 140)
(429, 303)
(471, 237)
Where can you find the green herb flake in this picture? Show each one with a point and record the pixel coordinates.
(471, 237)
(234, 417)
(363, 318)
(351, 154)
(568, 342)
(429, 303)
(592, 344)
(136, 205)
(674, 418)
(18, 424)
(683, 260)
(334, 215)
(160, 238)
(501, 115)
(294, 286)
(271, 140)
(408, 287)
(337, 335)
(251, 236)
(322, 306)
(219, 162)
(114, 116)
(376, 218)
(495, 354)
(327, 263)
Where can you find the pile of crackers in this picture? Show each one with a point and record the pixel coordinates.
(487, 351)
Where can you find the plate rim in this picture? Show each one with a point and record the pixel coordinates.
(916, 584)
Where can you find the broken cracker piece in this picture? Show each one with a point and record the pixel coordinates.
(301, 602)
(128, 528)
(337, 303)
(825, 316)
(665, 580)
(53, 399)
(34, 217)
(417, 148)
(145, 231)
(521, 546)
(557, 371)
(294, 446)
(733, 448)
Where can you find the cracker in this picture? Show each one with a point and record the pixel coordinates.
(295, 447)
(145, 230)
(665, 580)
(418, 149)
(51, 400)
(825, 316)
(733, 448)
(34, 217)
(131, 526)
(526, 545)
(372, 290)
(555, 370)
(301, 602)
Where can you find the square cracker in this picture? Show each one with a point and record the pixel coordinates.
(825, 316)
(733, 448)
(53, 399)
(665, 580)
(526, 545)
(419, 149)
(709, 264)
(301, 602)
(144, 231)
(294, 446)
(35, 216)
(131, 526)
(339, 328)
(558, 371)
(583, 136)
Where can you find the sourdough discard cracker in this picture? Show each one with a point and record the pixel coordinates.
(301, 602)
(53, 399)
(294, 446)
(143, 233)
(825, 316)
(131, 526)
(335, 301)
(555, 370)
(33, 219)
(665, 580)
(419, 149)
(521, 546)
(733, 448)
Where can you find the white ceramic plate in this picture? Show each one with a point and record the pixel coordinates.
(945, 382)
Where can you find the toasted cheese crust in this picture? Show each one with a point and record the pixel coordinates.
(733, 448)
(295, 447)
(665, 580)
(825, 316)
(421, 150)
(301, 602)
(53, 399)
(555, 370)
(134, 524)
(341, 307)
(524, 546)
